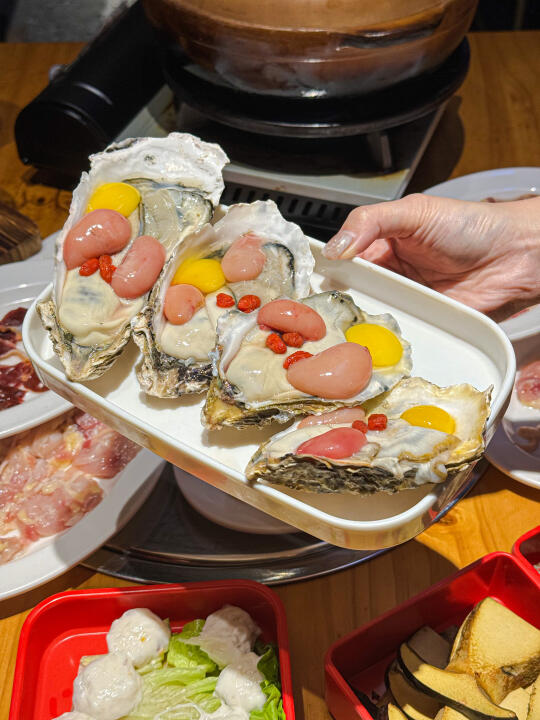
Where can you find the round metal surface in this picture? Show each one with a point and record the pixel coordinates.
(315, 117)
(168, 541)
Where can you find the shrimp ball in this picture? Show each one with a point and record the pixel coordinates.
(140, 635)
(107, 688)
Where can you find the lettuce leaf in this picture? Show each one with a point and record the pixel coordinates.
(273, 707)
(184, 655)
(158, 697)
(192, 629)
(268, 665)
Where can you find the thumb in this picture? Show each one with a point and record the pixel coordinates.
(364, 225)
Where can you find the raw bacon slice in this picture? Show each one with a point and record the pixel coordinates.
(14, 318)
(528, 385)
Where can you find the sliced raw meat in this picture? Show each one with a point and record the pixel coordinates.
(528, 385)
(10, 547)
(106, 454)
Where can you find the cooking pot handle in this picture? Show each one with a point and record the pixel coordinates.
(411, 29)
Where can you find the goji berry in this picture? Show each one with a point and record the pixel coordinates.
(106, 268)
(293, 339)
(295, 357)
(360, 425)
(249, 303)
(276, 344)
(89, 267)
(223, 300)
(377, 421)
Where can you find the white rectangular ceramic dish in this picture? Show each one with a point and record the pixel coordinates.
(451, 344)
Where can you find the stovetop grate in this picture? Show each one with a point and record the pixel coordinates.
(318, 218)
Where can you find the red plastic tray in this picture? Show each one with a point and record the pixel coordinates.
(361, 658)
(527, 548)
(63, 628)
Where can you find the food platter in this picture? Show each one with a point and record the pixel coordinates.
(50, 557)
(451, 344)
(20, 283)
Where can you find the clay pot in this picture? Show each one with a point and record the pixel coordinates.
(314, 48)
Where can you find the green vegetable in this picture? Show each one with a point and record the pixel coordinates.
(268, 665)
(174, 676)
(158, 697)
(273, 707)
(192, 629)
(183, 655)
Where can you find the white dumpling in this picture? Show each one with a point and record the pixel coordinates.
(74, 715)
(239, 684)
(140, 635)
(107, 688)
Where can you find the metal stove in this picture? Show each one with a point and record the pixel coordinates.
(317, 159)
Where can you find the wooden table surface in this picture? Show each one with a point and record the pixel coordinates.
(492, 122)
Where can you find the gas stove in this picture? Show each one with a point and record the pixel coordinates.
(316, 159)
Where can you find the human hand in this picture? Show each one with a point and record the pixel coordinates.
(485, 255)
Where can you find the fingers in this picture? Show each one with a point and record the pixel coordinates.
(398, 218)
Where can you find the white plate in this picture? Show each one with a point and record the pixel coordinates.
(502, 450)
(52, 556)
(20, 284)
(222, 509)
(451, 344)
(502, 184)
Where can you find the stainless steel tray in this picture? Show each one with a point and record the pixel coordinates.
(168, 541)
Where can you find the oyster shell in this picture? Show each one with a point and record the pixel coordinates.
(401, 456)
(250, 386)
(175, 358)
(179, 179)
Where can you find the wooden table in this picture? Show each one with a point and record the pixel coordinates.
(492, 122)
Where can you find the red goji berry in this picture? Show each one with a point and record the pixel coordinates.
(249, 303)
(224, 301)
(293, 339)
(295, 357)
(89, 267)
(360, 425)
(377, 421)
(276, 344)
(106, 268)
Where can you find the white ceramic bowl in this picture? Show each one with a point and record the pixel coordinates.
(222, 509)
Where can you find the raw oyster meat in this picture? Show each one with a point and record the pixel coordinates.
(401, 456)
(250, 385)
(175, 358)
(179, 181)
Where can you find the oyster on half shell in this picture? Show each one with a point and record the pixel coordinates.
(250, 385)
(179, 180)
(399, 457)
(175, 358)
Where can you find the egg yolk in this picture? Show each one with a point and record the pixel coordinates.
(117, 196)
(430, 416)
(384, 347)
(206, 275)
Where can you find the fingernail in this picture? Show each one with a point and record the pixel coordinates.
(338, 244)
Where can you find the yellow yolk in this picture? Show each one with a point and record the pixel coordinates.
(384, 347)
(117, 196)
(430, 416)
(206, 275)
